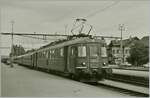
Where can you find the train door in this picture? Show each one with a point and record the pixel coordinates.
(66, 57)
(72, 54)
(94, 56)
(32, 63)
(34, 60)
(47, 58)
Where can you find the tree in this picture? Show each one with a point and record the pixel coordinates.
(139, 54)
(17, 50)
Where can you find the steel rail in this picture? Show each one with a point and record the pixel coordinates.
(134, 80)
(124, 91)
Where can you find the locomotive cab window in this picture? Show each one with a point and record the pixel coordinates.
(103, 52)
(93, 51)
(81, 51)
(61, 52)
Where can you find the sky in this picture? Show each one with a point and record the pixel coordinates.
(49, 16)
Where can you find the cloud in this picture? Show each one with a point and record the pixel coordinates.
(49, 16)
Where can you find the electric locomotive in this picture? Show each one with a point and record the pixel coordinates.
(80, 57)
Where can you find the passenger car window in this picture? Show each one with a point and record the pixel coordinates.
(56, 53)
(81, 51)
(44, 54)
(93, 51)
(50, 54)
(47, 54)
(38, 54)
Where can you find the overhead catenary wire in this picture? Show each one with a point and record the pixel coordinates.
(90, 15)
(38, 38)
(101, 10)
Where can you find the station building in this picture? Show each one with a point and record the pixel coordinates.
(114, 52)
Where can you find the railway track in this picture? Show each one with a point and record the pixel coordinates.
(135, 69)
(125, 88)
(144, 83)
(140, 81)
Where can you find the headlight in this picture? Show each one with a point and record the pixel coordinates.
(104, 64)
(83, 64)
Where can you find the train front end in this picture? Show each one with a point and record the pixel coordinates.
(92, 57)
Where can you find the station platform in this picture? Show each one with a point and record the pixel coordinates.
(136, 73)
(21, 81)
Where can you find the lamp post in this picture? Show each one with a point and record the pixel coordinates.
(121, 28)
(12, 50)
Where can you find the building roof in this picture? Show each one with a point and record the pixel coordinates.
(145, 41)
(126, 42)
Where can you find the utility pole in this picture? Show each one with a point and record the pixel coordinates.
(121, 29)
(66, 26)
(12, 50)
